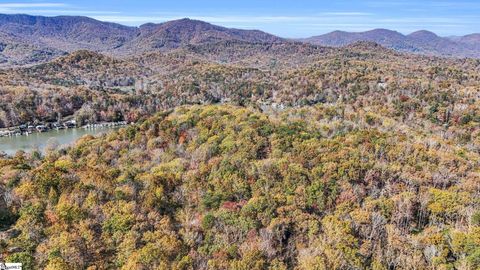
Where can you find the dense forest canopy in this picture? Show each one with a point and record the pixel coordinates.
(228, 187)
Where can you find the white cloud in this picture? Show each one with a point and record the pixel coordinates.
(347, 13)
(71, 12)
(425, 5)
(30, 5)
(48, 8)
(235, 20)
(10, 8)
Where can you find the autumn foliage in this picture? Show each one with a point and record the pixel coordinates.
(228, 187)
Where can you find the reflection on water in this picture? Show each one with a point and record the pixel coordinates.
(38, 141)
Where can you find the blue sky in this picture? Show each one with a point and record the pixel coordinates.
(286, 18)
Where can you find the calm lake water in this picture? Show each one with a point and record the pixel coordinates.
(11, 145)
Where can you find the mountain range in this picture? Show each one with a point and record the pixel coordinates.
(27, 40)
(423, 42)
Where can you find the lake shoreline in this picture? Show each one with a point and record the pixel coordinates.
(26, 130)
(39, 141)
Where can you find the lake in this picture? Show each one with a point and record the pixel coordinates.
(38, 141)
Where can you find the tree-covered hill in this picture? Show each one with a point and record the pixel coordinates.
(28, 40)
(90, 86)
(227, 187)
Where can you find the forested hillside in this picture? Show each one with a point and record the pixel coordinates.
(92, 87)
(240, 150)
(27, 40)
(226, 187)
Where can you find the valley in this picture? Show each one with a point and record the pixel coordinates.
(245, 150)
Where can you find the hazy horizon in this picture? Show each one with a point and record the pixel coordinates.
(180, 18)
(445, 18)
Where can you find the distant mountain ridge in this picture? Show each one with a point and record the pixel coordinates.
(424, 42)
(23, 38)
(178, 33)
(28, 40)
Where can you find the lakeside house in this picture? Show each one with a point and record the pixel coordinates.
(70, 124)
(27, 129)
(41, 128)
(8, 133)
